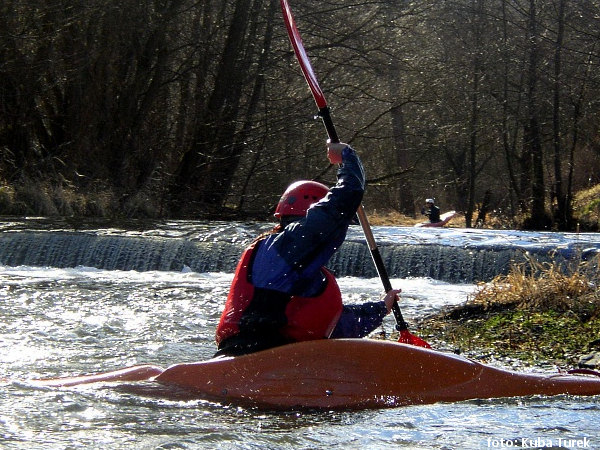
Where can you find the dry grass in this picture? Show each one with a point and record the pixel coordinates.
(536, 316)
(587, 207)
(62, 198)
(541, 287)
(390, 218)
(7, 197)
(49, 199)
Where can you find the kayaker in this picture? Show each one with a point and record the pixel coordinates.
(431, 211)
(281, 291)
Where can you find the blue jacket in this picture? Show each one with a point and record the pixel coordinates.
(290, 261)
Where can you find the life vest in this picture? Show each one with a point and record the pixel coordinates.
(296, 318)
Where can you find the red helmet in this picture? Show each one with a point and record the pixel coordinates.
(298, 197)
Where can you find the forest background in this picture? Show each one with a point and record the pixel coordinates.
(198, 108)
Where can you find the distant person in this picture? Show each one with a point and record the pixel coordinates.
(281, 292)
(431, 211)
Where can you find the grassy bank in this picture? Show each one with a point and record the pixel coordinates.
(539, 316)
(51, 198)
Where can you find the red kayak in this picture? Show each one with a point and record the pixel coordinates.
(340, 374)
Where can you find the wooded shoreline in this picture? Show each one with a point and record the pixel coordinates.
(198, 109)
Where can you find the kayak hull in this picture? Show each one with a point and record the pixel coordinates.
(340, 374)
(358, 374)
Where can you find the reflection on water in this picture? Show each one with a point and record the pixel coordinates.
(104, 418)
(73, 321)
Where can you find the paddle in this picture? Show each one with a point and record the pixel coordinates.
(324, 112)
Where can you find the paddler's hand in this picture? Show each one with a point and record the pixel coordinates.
(334, 151)
(390, 298)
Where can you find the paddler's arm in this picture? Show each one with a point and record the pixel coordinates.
(310, 242)
(358, 321)
(288, 261)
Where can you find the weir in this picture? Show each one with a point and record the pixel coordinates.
(440, 262)
(453, 256)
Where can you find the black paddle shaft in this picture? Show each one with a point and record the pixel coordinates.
(401, 324)
(325, 115)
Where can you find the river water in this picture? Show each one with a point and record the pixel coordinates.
(57, 321)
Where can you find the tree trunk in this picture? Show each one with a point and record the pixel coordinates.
(509, 143)
(198, 182)
(561, 217)
(406, 200)
(532, 133)
(474, 122)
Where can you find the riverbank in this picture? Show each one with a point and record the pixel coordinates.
(41, 198)
(538, 318)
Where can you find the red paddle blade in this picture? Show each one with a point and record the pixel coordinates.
(303, 59)
(407, 338)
